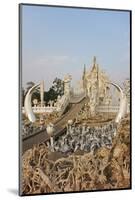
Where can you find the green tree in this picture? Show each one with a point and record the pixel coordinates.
(58, 86)
(56, 89)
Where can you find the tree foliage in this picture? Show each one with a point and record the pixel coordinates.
(56, 89)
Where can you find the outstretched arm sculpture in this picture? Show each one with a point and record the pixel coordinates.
(27, 104)
(123, 103)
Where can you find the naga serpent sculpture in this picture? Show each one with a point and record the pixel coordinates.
(121, 113)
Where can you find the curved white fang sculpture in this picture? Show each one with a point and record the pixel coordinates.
(27, 104)
(123, 103)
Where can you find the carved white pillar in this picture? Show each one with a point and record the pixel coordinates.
(67, 86)
(42, 93)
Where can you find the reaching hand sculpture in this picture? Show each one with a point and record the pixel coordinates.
(27, 104)
(50, 130)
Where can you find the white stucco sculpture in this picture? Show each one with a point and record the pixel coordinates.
(27, 104)
(123, 103)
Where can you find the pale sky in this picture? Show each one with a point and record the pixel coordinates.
(57, 41)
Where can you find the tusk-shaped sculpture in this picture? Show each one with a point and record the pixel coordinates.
(123, 103)
(27, 104)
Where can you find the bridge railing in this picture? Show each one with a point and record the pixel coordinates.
(38, 109)
(106, 108)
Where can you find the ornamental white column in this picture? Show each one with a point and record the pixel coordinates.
(42, 93)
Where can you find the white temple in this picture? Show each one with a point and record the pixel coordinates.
(95, 83)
